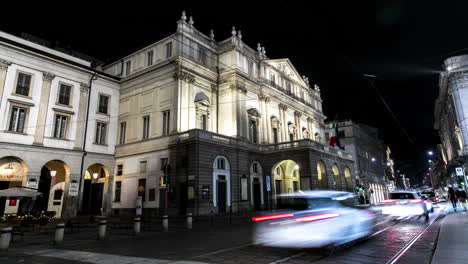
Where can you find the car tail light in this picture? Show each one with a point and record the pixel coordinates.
(388, 201)
(415, 201)
(436, 199)
(315, 217)
(271, 217)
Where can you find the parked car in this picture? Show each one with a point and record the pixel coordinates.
(313, 219)
(405, 203)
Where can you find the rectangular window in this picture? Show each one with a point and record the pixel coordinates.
(152, 194)
(17, 119)
(119, 170)
(103, 104)
(272, 79)
(253, 131)
(101, 129)
(327, 136)
(149, 58)
(123, 130)
(255, 168)
(146, 120)
(275, 135)
(142, 189)
(166, 122)
(250, 68)
(128, 67)
(168, 50)
(221, 164)
(203, 122)
(164, 163)
(23, 84)
(143, 165)
(64, 94)
(341, 134)
(118, 191)
(60, 128)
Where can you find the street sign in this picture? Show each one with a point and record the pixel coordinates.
(459, 171)
(73, 188)
(268, 183)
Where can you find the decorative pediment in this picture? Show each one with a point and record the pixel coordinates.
(254, 112)
(287, 68)
(202, 98)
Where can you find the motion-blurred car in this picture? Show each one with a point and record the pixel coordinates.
(431, 196)
(405, 203)
(313, 219)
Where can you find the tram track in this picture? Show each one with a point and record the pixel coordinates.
(394, 259)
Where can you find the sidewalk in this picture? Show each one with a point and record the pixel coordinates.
(452, 245)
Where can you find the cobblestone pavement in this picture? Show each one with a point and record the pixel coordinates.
(220, 243)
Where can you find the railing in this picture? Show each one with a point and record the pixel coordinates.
(198, 134)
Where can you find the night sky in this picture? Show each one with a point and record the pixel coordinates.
(403, 43)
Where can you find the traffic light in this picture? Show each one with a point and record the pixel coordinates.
(359, 188)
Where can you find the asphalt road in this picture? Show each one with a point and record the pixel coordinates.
(404, 241)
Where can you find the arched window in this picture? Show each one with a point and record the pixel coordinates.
(322, 175)
(202, 106)
(349, 182)
(336, 175)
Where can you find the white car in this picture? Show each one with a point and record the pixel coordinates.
(313, 219)
(405, 203)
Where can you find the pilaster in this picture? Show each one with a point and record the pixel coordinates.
(47, 78)
(80, 125)
(4, 64)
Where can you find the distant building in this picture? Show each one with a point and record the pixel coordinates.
(451, 121)
(370, 157)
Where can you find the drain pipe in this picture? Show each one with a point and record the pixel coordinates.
(217, 96)
(90, 83)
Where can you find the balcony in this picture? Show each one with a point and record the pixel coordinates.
(206, 136)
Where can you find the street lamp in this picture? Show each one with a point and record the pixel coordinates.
(296, 167)
(373, 159)
(95, 175)
(430, 153)
(53, 173)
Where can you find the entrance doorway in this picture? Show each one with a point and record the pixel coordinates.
(257, 200)
(221, 202)
(13, 172)
(287, 178)
(94, 186)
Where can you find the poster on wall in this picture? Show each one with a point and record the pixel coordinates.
(268, 183)
(73, 188)
(32, 183)
(245, 195)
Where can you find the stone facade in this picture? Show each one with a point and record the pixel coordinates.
(43, 104)
(190, 100)
(451, 121)
(185, 124)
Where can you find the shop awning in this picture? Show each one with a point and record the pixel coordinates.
(19, 192)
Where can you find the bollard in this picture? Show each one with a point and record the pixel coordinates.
(102, 225)
(5, 237)
(189, 221)
(59, 231)
(165, 223)
(136, 225)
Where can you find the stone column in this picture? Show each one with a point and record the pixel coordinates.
(3, 71)
(268, 121)
(47, 78)
(263, 125)
(310, 128)
(242, 122)
(297, 121)
(284, 123)
(280, 129)
(80, 124)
